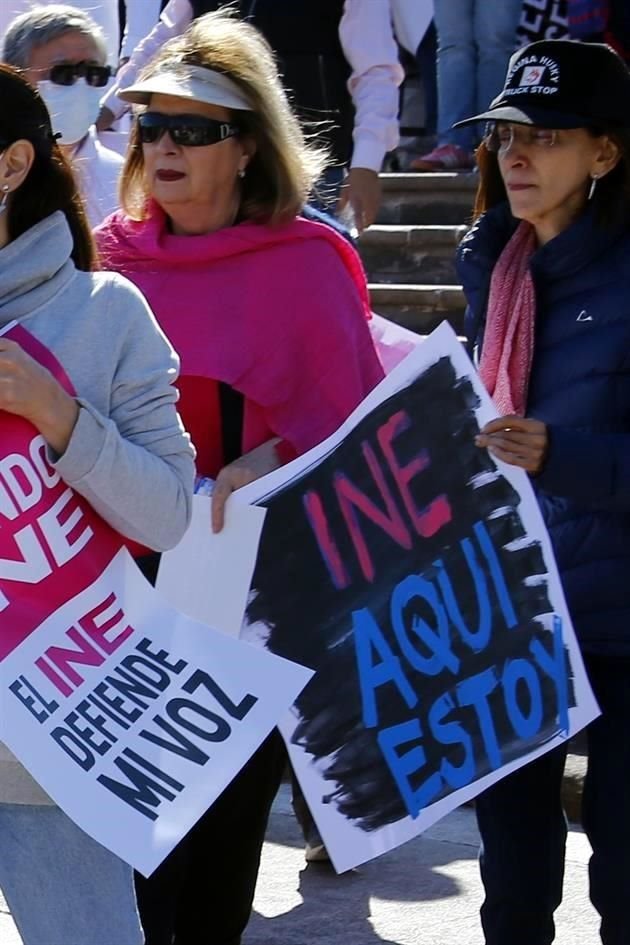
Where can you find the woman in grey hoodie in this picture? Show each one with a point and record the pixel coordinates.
(117, 441)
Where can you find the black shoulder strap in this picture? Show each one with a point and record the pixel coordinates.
(232, 406)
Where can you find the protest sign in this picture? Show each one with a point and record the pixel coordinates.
(131, 716)
(413, 572)
(206, 576)
(542, 19)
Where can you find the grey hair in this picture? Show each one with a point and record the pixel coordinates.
(42, 24)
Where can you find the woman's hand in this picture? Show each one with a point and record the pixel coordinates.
(519, 441)
(29, 390)
(362, 190)
(241, 472)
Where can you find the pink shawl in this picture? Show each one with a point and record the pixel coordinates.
(280, 313)
(508, 341)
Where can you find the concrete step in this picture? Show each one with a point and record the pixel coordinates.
(411, 254)
(445, 199)
(420, 308)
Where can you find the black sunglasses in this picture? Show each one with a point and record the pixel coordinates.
(67, 73)
(187, 131)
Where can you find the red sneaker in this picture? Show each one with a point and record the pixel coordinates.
(445, 157)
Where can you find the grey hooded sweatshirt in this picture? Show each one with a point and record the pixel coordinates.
(128, 454)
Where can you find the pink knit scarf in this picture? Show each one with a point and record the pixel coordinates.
(508, 343)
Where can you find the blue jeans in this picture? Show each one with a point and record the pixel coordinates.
(523, 828)
(475, 41)
(62, 887)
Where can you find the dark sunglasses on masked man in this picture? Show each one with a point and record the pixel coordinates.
(187, 131)
(67, 73)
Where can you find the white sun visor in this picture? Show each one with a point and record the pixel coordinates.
(190, 82)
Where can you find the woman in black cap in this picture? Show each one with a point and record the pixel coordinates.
(546, 272)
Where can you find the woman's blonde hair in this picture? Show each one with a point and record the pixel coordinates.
(282, 172)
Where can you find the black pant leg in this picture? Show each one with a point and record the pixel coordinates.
(158, 896)
(523, 834)
(216, 899)
(202, 893)
(606, 800)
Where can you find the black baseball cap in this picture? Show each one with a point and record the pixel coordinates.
(562, 83)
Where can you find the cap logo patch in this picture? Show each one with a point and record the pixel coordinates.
(533, 75)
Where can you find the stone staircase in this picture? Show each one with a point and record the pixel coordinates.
(409, 253)
(408, 256)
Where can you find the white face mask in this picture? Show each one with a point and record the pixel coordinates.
(73, 108)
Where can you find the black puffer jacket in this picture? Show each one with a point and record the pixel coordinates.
(580, 387)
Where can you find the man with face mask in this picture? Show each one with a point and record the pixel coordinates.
(62, 51)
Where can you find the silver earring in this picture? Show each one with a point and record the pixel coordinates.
(3, 198)
(591, 191)
(241, 172)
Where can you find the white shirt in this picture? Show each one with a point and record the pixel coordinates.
(140, 18)
(175, 18)
(368, 44)
(97, 169)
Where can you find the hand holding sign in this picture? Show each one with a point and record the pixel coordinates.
(520, 441)
(241, 472)
(29, 390)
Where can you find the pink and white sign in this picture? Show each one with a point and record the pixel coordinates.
(131, 716)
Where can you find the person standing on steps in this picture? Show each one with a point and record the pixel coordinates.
(475, 40)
